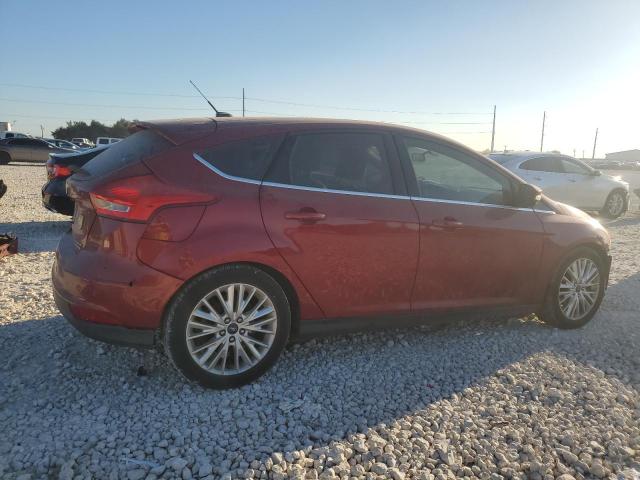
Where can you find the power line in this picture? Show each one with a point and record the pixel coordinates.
(257, 99)
(68, 104)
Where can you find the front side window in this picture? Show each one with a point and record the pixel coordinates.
(447, 174)
(354, 162)
(245, 158)
(543, 164)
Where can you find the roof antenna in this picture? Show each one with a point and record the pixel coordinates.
(218, 114)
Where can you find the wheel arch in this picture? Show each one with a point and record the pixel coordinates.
(279, 277)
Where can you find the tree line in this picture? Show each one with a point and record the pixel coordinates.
(93, 130)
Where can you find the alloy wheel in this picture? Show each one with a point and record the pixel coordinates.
(615, 204)
(231, 329)
(579, 288)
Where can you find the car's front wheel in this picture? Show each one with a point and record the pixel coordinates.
(615, 205)
(227, 326)
(576, 291)
(5, 158)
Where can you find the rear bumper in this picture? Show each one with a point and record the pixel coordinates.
(108, 296)
(116, 335)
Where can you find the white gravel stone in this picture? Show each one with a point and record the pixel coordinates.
(485, 399)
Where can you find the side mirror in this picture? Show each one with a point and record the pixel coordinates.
(527, 195)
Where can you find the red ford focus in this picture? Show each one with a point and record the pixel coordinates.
(221, 239)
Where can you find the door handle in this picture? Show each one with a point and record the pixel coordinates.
(306, 215)
(447, 223)
(572, 180)
(537, 178)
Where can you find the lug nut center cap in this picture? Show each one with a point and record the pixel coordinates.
(233, 328)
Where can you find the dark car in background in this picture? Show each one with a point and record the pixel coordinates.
(59, 168)
(27, 150)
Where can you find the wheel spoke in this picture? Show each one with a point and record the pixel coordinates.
(212, 317)
(246, 301)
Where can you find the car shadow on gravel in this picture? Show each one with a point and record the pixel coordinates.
(37, 237)
(319, 391)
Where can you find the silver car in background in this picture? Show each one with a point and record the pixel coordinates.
(569, 181)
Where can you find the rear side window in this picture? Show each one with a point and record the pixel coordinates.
(543, 164)
(132, 149)
(245, 158)
(354, 162)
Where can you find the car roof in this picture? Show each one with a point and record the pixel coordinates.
(179, 131)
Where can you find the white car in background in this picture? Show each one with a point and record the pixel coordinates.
(569, 181)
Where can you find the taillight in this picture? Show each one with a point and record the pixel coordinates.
(55, 171)
(136, 198)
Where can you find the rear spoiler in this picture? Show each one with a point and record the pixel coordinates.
(180, 131)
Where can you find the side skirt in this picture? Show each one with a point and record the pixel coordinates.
(331, 326)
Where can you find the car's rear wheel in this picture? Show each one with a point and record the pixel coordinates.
(576, 291)
(615, 205)
(5, 158)
(227, 326)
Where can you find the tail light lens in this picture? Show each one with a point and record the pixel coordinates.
(136, 198)
(56, 171)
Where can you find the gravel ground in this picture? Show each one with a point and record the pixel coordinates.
(491, 399)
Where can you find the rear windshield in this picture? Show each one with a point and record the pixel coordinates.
(132, 149)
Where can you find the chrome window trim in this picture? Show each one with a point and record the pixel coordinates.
(341, 192)
(222, 174)
(361, 194)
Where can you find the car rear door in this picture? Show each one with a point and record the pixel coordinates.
(475, 249)
(20, 149)
(335, 206)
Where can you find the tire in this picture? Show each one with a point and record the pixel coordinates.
(615, 205)
(227, 368)
(553, 312)
(5, 158)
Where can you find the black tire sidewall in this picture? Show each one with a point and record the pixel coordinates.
(182, 305)
(554, 314)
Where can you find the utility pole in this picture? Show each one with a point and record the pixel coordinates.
(583, 154)
(595, 141)
(243, 101)
(544, 117)
(574, 153)
(42, 132)
(493, 129)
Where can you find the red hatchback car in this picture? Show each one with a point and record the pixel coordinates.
(220, 239)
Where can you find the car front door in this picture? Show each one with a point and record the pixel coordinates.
(475, 249)
(583, 187)
(335, 206)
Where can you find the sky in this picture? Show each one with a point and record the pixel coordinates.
(440, 66)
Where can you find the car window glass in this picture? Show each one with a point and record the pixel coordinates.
(447, 174)
(245, 159)
(349, 161)
(569, 166)
(543, 164)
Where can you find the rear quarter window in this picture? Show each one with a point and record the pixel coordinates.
(248, 158)
(133, 149)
